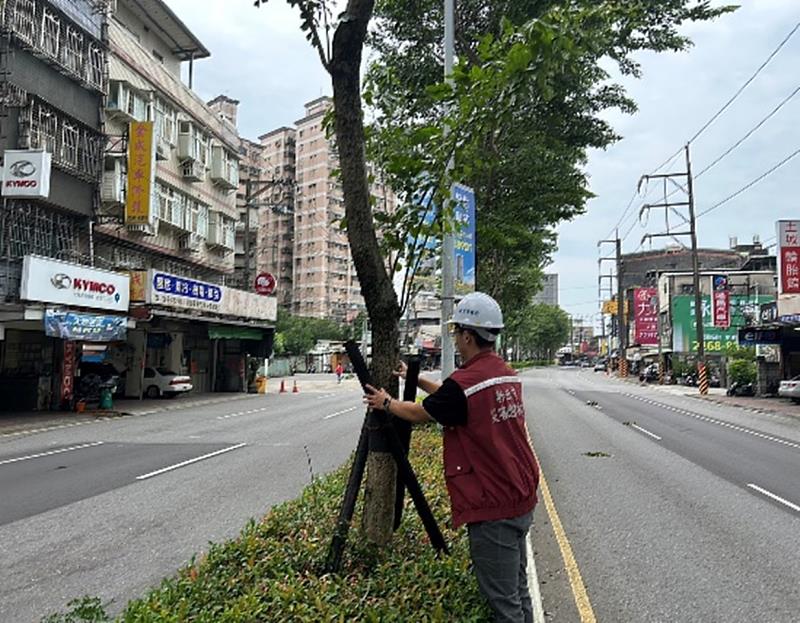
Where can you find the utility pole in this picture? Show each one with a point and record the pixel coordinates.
(698, 299)
(250, 195)
(448, 239)
(622, 321)
(692, 233)
(621, 324)
(247, 199)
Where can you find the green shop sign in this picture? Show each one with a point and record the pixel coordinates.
(717, 339)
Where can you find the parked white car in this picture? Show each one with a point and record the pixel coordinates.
(790, 389)
(162, 382)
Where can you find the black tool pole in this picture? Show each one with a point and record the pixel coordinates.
(406, 473)
(334, 560)
(403, 430)
(404, 469)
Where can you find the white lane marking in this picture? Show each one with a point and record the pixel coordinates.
(328, 417)
(51, 453)
(190, 461)
(777, 498)
(241, 413)
(646, 432)
(533, 580)
(735, 427)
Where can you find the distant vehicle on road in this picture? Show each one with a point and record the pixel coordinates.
(790, 389)
(160, 382)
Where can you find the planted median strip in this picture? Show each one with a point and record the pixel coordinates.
(273, 570)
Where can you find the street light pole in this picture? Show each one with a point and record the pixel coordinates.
(448, 239)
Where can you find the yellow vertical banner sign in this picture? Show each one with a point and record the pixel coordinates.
(141, 165)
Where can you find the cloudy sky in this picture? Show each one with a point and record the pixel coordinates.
(260, 57)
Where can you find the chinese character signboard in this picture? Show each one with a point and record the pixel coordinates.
(181, 292)
(721, 301)
(68, 365)
(166, 290)
(789, 256)
(141, 169)
(718, 340)
(645, 316)
(84, 327)
(464, 212)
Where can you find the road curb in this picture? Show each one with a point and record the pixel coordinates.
(189, 405)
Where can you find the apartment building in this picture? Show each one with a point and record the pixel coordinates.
(192, 220)
(172, 162)
(264, 230)
(548, 295)
(325, 284)
(53, 76)
(276, 211)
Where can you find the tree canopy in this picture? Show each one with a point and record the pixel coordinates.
(531, 84)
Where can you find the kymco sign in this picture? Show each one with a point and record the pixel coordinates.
(52, 281)
(26, 173)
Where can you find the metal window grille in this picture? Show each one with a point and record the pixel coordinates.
(96, 64)
(27, 228)
(44, 129)
(55, 40)
(75, 149)
(25, 22)
(51, 34)
(70, 139)
(72, 51)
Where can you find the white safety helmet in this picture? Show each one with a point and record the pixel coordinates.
(481, 313)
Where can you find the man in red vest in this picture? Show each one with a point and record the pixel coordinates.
(489, 466)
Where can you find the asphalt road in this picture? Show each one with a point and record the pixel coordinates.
(111, 508)
(668, 508)
(673, 509)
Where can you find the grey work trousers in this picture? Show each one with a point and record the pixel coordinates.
(499, 559)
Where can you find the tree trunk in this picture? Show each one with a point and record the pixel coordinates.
(376, 285)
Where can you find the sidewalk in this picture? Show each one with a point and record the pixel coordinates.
(13, 424)
(38, 421)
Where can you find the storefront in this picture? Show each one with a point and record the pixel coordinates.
(219, 336)
(41, 341)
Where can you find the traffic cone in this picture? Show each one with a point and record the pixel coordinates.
(283, 388)
(294, 388)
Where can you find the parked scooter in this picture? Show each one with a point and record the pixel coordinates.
(741, 389)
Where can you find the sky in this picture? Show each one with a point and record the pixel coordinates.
(260, 57)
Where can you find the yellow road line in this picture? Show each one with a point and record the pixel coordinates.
(575, 580)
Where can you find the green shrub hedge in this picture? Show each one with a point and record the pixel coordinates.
(272, 571)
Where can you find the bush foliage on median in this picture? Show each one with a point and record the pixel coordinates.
(272, 571)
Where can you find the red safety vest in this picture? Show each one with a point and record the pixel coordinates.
(489, 466)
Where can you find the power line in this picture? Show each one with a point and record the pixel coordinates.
(746, 84)
(750, 184)
(751, 132)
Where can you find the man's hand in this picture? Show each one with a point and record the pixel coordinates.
(376, 397)
(401, 370)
